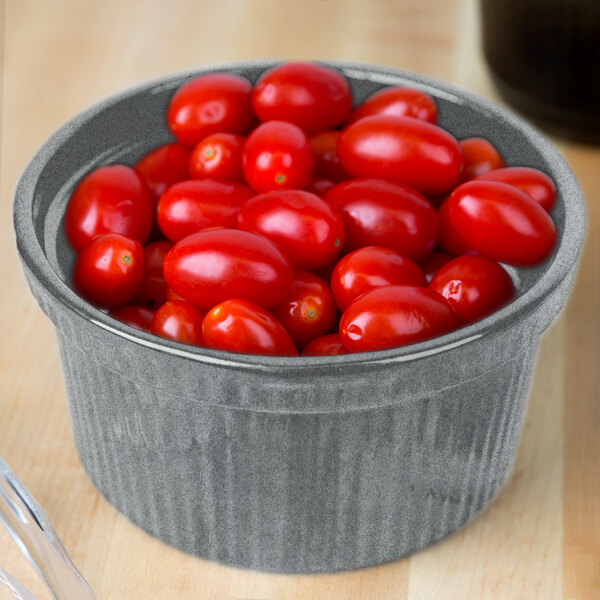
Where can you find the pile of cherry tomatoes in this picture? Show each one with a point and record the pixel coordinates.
(283, 220)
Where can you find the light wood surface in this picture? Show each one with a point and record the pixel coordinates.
(540, 539)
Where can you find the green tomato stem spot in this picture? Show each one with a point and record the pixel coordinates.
(337, 242)
(312, 313)
(280, 178)
(209, 152)
(127, 259)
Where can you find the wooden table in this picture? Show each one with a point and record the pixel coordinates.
(541, 536)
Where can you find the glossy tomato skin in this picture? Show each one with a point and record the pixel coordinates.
(501, 222)
(371, 267)
(432, 264)
(218, 156)
(397, 102)
(180, 321)
(326, 345)
(218, 102)
(308, 311)
(241, 326)
(327, 162)
(383, 213)
(474, 286)
(395, 315)
(139, 317)
(209, 267)
(109, 270)
(449, 239)
(153, 289)
(193, 205)
(320, 186)
(164, 166)
(277, 155)
(309, 230)
(311, 96)
(533, 182)
(402, 149)
(113, 199)
(479, 157)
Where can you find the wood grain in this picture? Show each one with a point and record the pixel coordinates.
(540, 539)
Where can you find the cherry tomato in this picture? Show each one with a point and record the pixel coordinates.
(311, 96)
(208, 104)
(277, 155)
(153, 289)
(305, 227)
(448, 238)
(218, 156)
(326, 345)
(383, 213)
(395, 315)
(212, 266)
(113, 199)
(474, 286)
(479, 156)
(139, 317)
(179, 321)
(501, 222)
(397, 102)
(320, 186)
(242, 326)
(164, 166)
(370, 267)
(171, 295)
(196, 204)
(308, 311)
(109, 270)
(327, 162)
(531, 181)
(401, 149)
(432, 264)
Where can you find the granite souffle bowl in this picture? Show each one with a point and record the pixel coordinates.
(291, 464)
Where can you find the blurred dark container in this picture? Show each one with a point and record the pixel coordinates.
(544, 56)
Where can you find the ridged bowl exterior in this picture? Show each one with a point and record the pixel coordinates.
(316, 465)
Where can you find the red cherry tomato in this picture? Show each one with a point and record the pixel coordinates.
(320, 186)
(401, 149)
(164, 166)
(449, 239)
(193, 205)
(218, 156)
(327, 162)
(139, 317)
(432, 264)
(241, 326)
(112, 199)
(370, 267)
(326, 345)
(531, 181)
(208, 104)
(501, 222)
(277, 155)
(479, 156)
(308, 311)
(383, 213)
(395, 315)
(305, 227)
(179, 321)
(153, 289)
(474, 286)
(109, 270)
(212, 266)
(311, 96)
(397, 102)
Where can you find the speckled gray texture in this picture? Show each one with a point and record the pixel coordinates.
(282, 464)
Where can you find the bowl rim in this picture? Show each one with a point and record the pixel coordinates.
(563, 260)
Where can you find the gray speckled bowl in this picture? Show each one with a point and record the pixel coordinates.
(286, 464)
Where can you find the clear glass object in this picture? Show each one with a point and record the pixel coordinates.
(37, 540)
